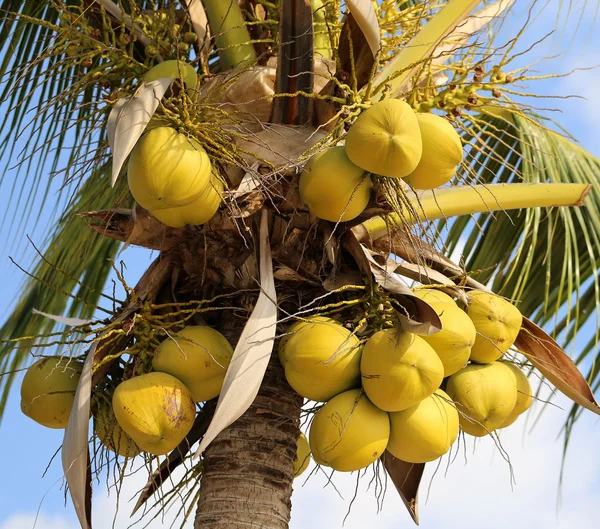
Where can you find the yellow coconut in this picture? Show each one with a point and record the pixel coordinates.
(453, 343)
(175, 69)
(333, 187)
(349, 432)
(524, 394)
(48, 390)
(198, 356)
(425, 431)
(399, 370)
(321, 358)
(432, 295)
(497, 323)
(485, 396)
(156, 410)
(442, 152)
(111, 435)
(302, 455)
(197, 212)
(385, 139)
(167, 169)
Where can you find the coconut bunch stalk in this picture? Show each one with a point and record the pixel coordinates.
(276, 153)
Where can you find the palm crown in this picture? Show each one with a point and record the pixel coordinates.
(244, 130)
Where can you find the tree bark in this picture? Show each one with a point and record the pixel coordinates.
(248, 469)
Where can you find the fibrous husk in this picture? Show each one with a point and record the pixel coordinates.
(302, 455)
(349, 432)
(385, 139)
(333, 188)
(497, 322)
(425, 431)
(321, 358)
(167, 169)
(156, 410)
(48, 390)
(485, 396)
(399, 370)
(201, 210)
(453, 343)
(524, 394)
(199, 357)
(442, 152)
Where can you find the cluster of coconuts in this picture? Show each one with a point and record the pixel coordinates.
(386, 392)
(153, 412)
(389, 139)
(169, 173)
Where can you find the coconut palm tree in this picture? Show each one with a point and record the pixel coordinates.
(276, 83)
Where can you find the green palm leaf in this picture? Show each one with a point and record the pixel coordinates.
(545, 258)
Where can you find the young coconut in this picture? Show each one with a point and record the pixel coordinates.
(349, 432)
(425, 431)
(167, 169)
(173, 68)
(199, 357)
(485, 396)
(497, 323)
(524, 394)
(48, 390)
(195, 213)
(333, 188)
(453, 343)
(156, 410)
(399, 370)
(442, 152)
(432, 295)
(321, 358)
(111, 435)
(385, 139)
(302, 455)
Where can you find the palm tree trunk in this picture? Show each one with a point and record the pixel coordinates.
(248, 469)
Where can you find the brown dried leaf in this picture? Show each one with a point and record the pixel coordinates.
(406, 478)
(548, 357)
(252, 352)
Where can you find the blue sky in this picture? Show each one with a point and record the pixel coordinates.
(475, 494)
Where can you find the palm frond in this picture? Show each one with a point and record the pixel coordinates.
(68, 278)
(545, 258)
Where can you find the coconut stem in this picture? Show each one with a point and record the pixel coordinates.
(231, 34)
(467, 200)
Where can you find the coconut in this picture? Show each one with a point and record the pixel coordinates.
(485, 396)
(432, 295)
(199, 357)
(111, 435)
(156, 410)
(173, 68)
(442, 152)
(524, 394)
(453, 343)
(385, 139)
(167, 169)
(333, 187)
(349, 432)
(197, 212)
(48, 390)
(302, 455)
(497, 323)
(425, 431)
(399, 370)
(321, 358)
